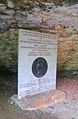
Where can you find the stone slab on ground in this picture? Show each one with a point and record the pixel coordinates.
(40, 100)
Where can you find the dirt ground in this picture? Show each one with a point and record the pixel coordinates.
(64, 110)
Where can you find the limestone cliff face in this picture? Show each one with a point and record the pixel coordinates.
(62, 21)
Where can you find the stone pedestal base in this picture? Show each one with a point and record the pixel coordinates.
(40, 100)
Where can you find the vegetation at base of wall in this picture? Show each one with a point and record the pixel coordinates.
(67, 74)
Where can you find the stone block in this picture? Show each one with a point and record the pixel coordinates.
(39, 100)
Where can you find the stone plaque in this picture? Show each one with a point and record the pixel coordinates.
(37, 59)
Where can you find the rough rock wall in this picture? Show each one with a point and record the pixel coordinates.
(62, 21)
(68, 52)
(8, 50)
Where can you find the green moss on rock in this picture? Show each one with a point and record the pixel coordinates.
(8, 49)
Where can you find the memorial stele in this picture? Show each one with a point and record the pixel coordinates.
(37, 62)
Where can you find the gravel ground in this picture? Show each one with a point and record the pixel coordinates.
(65, 110)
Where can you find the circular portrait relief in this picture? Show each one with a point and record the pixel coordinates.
(39, 67)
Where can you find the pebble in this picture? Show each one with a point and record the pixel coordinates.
(5, 93)
(5, 26)
(10, 4)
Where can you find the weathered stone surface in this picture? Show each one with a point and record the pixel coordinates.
(8, 49)
(63, 21)
(68, 52)
(40, 100)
